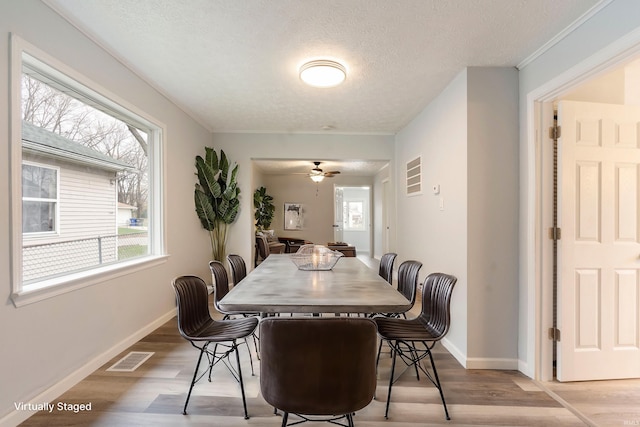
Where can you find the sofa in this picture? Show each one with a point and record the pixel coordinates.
(266, 244)
(292, 244)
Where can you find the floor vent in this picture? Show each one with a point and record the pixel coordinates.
(131, 361)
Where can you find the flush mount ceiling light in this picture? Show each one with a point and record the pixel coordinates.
(323, 73)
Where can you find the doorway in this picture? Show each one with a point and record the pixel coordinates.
(595, 308)
(352, 217)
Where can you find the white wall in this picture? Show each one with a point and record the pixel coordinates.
(613, 29)
(243, 147)
(47, 341)
(608, 89)
(493, 185)
(468, 141)
(317, 199)
(438, 238)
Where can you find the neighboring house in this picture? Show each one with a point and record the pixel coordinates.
(125, 213)
(69, 204)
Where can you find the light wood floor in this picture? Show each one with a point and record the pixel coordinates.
(154, 394)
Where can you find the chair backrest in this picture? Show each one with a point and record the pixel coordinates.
(263, 246)
(192, 299)
(318, 366)
(436, 303)
(221, 281)
(408, 279)
(238, 267)
(386, 266)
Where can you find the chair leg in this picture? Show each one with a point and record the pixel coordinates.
(212, 360)
(285, 417)
(414, 356)
(250, 357)
(256, 340)
(379, 351)
(244, 400)
(350, 420)
(435, 374)
(393, 369)
(193, 380)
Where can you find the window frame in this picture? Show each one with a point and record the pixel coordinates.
(56, 229)
(23, 53)
(347, 223)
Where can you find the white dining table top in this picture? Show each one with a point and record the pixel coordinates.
(277, 286)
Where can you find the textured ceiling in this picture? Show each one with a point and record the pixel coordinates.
(346, 167)
(233, 64)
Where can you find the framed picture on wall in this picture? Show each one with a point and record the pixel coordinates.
(293, 216)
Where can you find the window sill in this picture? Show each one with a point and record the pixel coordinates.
(50, 288)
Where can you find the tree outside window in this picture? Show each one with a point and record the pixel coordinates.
(84, 159)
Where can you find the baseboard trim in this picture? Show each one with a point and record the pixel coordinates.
(16, 417)
(492, 363)
(455, 352)
(523, 367)
(480, 362)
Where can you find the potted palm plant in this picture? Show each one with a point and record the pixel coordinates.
(216, 198)
(265, 209)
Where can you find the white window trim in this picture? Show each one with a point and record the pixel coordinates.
(347, 227)
(56, 230)
(22, 51)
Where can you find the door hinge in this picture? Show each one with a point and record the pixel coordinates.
(555, 132)
(555, 233)
(554, 334)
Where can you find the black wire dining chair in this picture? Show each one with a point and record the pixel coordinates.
(404, 335)
(196, 325)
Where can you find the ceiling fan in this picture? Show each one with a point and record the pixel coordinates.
(317, 174)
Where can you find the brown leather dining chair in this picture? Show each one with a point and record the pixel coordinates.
(238, 267)
(196, 325)
(407, 285)
(413, 339)
(386, 266)
(318, 367)
(220, 289)
(408, 281)
(262, 249)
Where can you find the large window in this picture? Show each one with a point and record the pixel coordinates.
(90, 180)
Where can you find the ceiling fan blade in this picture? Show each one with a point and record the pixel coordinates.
(332, 173)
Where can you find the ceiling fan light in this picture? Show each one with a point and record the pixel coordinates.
(317, 178)
(323, 73)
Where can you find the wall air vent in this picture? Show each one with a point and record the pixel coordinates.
(414, 176)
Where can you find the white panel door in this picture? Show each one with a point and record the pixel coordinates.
(338, 213)
(599, 252)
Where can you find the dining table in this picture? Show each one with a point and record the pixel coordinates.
(277, 286)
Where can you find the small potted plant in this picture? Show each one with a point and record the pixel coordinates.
(264, 209)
